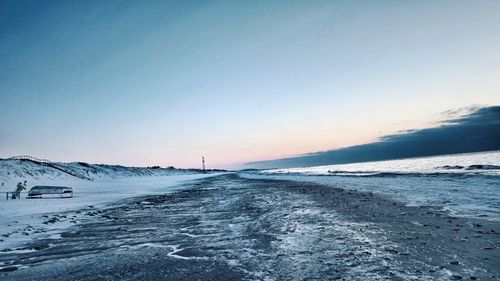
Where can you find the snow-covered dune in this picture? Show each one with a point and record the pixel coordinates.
(20, 170)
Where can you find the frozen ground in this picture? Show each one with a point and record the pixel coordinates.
(232, 228)
(23, 220)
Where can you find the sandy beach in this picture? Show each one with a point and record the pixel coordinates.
(249, 140)
(232, 228)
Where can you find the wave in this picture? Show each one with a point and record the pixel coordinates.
(411, 174)
(470, 167)
(384, 174)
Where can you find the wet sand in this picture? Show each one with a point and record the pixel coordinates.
(231, 228)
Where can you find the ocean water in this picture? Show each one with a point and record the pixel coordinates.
(465, 184)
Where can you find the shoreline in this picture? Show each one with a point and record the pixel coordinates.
(430, 234)
(450, 195)
(231, 226)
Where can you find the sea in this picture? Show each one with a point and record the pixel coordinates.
(465, 184)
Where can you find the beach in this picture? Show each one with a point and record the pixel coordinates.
(233, 228)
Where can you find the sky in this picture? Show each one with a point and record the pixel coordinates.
(166, 82)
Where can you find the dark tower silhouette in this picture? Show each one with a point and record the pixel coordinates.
(203, 163)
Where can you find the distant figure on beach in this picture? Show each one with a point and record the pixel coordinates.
(20, 187)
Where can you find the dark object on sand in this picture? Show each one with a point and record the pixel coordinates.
(50, 191)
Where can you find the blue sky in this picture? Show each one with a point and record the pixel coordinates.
(163, 83)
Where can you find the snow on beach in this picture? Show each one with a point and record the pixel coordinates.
(94, 186)
(466, 184)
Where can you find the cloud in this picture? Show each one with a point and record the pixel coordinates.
(453, 113)
(471, 129)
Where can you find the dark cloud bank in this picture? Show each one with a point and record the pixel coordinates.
(474, 132)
